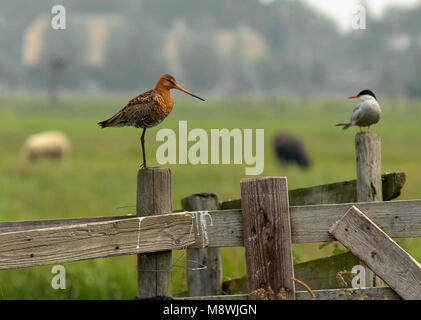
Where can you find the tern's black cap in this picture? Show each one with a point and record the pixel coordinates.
(367, 92)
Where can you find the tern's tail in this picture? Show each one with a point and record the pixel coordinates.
(345, 125)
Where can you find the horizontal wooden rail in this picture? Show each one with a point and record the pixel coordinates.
(337, 192)
(382, 293)
(317, 274)
(95, 240)
(27, 225)
(399, 219)
(173, 231)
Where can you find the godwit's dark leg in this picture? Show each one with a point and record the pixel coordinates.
(142, 141)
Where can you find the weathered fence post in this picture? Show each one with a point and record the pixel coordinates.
(369, 167)
(369, 176)
(154, 198)
(208, 281)
(267, 237)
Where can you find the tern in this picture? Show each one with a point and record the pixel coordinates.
(365, 114)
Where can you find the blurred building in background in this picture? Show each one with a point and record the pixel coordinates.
(222, 48)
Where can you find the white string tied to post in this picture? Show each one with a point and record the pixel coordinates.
(201, 226)
(138, 232)
(201, 229)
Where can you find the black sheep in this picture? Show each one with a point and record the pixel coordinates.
(290, 149)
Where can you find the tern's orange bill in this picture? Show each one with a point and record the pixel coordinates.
(354, 97)
(178, 87)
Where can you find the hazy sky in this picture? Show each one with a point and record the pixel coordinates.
(341, 10)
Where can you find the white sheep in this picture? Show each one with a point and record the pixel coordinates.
(51, 144)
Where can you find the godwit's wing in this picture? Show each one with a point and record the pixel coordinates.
(138, 111)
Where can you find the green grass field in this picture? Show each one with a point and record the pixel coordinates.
(101, 175)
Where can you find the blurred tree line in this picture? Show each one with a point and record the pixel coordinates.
(219, 47)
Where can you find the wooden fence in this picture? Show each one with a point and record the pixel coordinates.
(266, 221)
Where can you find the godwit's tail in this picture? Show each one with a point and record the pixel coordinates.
(115, 121)
(103, 124)
(345, 125)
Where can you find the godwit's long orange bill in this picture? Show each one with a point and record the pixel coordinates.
(178, 87)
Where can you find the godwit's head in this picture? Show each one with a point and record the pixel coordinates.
(168, 82)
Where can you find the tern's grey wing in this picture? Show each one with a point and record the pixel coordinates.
(357, 113)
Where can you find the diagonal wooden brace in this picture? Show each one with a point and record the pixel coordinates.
(381, 254)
